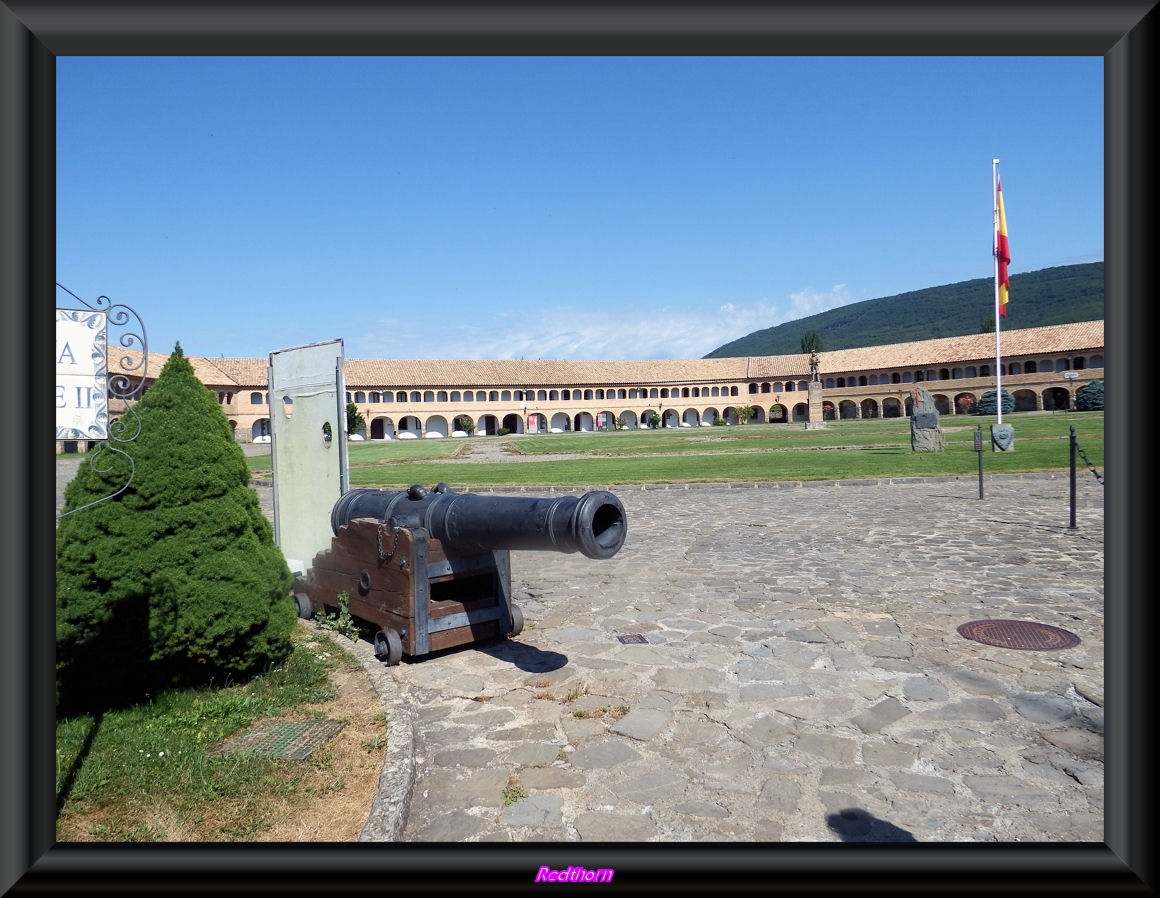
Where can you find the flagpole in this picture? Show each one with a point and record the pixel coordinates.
(995, 253)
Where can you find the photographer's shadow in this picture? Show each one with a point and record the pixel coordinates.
(857, 825)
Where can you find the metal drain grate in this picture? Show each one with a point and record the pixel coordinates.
(632, 639)
(292, 740)
(1018, 634)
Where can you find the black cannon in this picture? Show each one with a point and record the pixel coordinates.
(592, 524)
(432, 569)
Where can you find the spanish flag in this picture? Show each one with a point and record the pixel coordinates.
(1002, 249)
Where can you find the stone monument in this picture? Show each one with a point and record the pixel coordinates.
(925, 431)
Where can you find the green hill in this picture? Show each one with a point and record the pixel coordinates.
(1062, 295)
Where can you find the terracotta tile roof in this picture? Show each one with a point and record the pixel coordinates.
(538, 372)
(209, 371)
(375, 374)
(245, 372)
(1070, 338)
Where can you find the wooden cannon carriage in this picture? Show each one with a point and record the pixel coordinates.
(432, 570)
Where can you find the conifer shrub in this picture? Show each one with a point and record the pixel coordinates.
(176, 579)
(988, 405)
(1090, 397)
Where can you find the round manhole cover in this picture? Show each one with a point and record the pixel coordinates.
(1018, 634)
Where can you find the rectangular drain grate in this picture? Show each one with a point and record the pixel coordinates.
(633, 639)
(292, 740)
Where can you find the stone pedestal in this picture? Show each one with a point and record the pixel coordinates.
(814, 417)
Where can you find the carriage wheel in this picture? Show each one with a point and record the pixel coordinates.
(517, 621)
(303, 605)
(388, 647)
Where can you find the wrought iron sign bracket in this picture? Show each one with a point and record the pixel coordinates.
(95, 386)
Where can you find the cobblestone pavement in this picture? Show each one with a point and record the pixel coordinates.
(801, 677)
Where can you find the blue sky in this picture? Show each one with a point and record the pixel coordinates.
(556, 207)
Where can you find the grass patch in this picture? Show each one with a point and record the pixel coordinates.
(153, 772)
(376, 743)
(513, 792)
(843, 450)
(615, 713)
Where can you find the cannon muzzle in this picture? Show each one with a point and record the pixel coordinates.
(593, 524)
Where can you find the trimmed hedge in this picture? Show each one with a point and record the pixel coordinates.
(177, 579)
(1090, 397)
(987, 404)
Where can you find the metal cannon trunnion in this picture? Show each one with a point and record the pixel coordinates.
(432, 569)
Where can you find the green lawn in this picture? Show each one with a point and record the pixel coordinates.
(113, 769)
(851, 449)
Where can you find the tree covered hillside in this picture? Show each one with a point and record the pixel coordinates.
(1062, 295)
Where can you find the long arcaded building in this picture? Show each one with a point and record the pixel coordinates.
(419, 398)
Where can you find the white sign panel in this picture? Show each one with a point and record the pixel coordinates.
(307, 402)
(82, 397)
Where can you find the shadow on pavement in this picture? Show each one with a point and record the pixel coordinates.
(857, 825)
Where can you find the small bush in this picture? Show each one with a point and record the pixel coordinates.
(1090, 397)
(177, 577)
(988, 406)
(343, 622)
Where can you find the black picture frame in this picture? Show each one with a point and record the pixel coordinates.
(34, 33)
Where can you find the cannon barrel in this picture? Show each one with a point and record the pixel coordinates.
(593, 523)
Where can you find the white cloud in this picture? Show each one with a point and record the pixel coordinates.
(664, 332)
(809, 302)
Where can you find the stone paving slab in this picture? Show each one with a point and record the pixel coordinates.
(802, 678)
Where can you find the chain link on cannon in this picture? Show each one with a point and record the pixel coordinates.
(386, 556)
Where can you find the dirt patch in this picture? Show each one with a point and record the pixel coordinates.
(335, 797)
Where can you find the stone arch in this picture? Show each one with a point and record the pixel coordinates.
(1056, 399)
(382, 428)
(1025, 400)
(436, 426)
